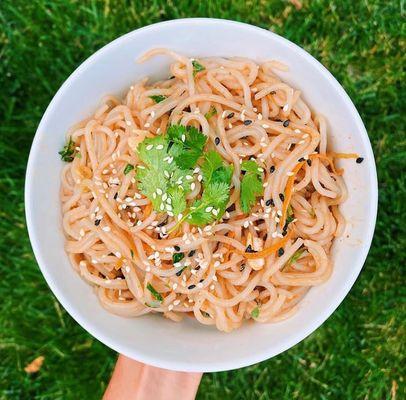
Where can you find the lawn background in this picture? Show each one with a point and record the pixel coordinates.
(357, 353)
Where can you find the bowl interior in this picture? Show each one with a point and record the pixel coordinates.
(153, 339)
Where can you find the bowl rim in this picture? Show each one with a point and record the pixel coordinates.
(176, 364)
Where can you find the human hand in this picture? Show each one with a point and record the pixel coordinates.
(134, 380)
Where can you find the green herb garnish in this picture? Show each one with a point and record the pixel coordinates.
(176, 257)
(197, 67)
(67, 153)
(211, 112)
(128, 168)
(295, 256)
(132, 253)
(158, 98)
(290, 217)
(166, 178)
(251, 185)
(214, 169)
(155, 294)
(255, 312)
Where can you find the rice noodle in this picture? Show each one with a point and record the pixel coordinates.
(117, 242)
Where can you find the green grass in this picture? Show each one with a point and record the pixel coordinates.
(357, 353)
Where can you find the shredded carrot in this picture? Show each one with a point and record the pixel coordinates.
(329, 160)
(119, 264)
(269, 250)
(343, 155)
(288, 193)
(148, 210)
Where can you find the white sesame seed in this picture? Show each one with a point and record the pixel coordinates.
(164, 197)
(265, 184)
(159, 147)
(180, 216)
(305, 136)
(94, 261)
(212, 287)
(246, 224)
(297, 131)
(223, 114)
(183, 137)
(170, 213)
(148, 268)
(170, 307)
(127, 269)
(174, 286)
(149, 147)
(117, 254)
(260, 117)
(274, 234)
(285, 107)
(265, 126)
(82, 232)
(214, 278)
(193, 186)
(290, 173)
(279, 212)
(152, 114)
(217, 264)
(147, 125)
(169, 207)
(159, 191)
(199, 178)
(189, 177)
(106, 229)
(176, 302)
(301, 142)
(208, 209)
(215, 212)
(199, 285)
(277, 219)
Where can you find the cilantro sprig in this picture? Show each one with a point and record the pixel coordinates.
(155, 294)
(210, 113)
(68, 152)
(197, 67)
(166, 176)
(251, 184)
(158, 98)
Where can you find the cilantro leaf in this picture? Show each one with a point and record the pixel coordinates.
(186, 145)
(158, 177)
(251, 185)
(67, 153)
(158, 98)
(197, 67)
(212, 204)
(156, 295)
(255, 312)
(214, 169)
(211, 112)
(128, 168)
(290, 217)
(296, 256)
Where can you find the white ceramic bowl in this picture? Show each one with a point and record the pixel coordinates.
(155, 340)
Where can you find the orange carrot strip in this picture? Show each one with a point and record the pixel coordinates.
(289, 192)
(343, 155)
(328, 159)
(269, 250)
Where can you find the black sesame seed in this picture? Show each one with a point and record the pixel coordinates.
(115, 196)
(309, 162)
(301, 159)
(272, 169)
(247, 122)
(191, 253)
(273, 92)
(280, 252)
(177, 248)
(284, 232)
(164, 223)
(243, 172)
(286, 123)
(359, 160)
(201, 280)
(272, 203)
(179, 273)
(249, 249)
(242, 267)
(231, 115)
(197, 268)
(268, 202)
(281, 196)
(190, 287)
(217, 141)
(97, 222)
